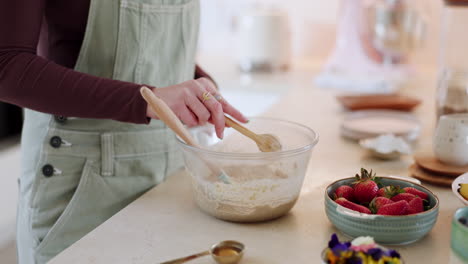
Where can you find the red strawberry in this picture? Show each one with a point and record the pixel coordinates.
(382, 191)
(389, 191)
(417, 192)
(415, 205)
(365, 188)
(345, 191)
(397, 208)
(378, 202)
(350, 205)
(403, 196)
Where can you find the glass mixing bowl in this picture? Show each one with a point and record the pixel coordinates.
(232, 180)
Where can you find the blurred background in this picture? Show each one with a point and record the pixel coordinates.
(228, 36)
(313, 26)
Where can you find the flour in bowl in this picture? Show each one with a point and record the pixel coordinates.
(254, 192)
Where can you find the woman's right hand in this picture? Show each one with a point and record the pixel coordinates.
(187, 102)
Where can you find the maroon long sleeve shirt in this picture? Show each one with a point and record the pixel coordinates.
(39, 44)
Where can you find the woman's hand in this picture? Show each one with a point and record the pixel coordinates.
(196, 102)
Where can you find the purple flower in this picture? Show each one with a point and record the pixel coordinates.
(354, 260)
(337, 247)
(375, 253)
(392, 253)
(333, 241)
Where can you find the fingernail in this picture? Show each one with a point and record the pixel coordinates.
(222, 135)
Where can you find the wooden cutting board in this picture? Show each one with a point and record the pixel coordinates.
(426, 176)
(432, 164)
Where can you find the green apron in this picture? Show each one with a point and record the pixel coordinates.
(76, 173)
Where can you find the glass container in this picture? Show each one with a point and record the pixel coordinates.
(396, 28)
(453, 37)
(452, 92)
(257, 186)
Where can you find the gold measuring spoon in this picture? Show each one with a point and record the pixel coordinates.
(225, 252)
(265, 142)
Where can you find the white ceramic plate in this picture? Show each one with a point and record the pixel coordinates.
(460, 179)
(371, 123)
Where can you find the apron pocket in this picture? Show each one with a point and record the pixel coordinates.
(98, 197)
(162, 36)
(55, 201)
(152, 166)
(133, 177)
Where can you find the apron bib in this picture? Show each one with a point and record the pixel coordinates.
(76, 173)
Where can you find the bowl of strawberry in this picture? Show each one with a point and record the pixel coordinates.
(392, 210)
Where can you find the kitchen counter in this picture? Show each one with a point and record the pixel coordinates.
(165, 223)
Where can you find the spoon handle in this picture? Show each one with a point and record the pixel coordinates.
(188, 258)
(166, 115)
(241, 129)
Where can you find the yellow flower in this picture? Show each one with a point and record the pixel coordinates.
(346, 254)
(332, 259)
(387, 259)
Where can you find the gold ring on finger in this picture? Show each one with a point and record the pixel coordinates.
(206, 96)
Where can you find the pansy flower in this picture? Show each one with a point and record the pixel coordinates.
(338, 247)
(362, 250)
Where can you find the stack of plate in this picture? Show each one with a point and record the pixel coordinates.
(372, 123)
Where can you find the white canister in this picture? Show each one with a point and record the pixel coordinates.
(263, 40)
(451, 139)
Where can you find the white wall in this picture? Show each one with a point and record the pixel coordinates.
(310, 21)
(313, 26)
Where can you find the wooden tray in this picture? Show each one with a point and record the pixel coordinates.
(432, 164)
(378, 101)
(426, 176)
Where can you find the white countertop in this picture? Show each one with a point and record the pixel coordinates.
(165, 223)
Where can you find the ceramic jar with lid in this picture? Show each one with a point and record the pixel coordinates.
(263, 40)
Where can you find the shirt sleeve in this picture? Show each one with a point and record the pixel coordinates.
(30, 81)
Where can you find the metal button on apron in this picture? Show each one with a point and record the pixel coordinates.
(48, 170)
(55, 141)
(60, 119)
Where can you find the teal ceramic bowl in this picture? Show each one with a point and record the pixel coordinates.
(388, 230)
(459, 236)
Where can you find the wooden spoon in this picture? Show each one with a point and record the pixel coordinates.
(166, 115)
(265, 142)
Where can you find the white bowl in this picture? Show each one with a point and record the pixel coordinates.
(460, 179)
(387, 146)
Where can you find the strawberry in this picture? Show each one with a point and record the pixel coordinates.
(350, 205)
(378, 202)
(417, 192)
(389, 191)
(415, 205)
(344, 191)
(403, 196)
(365, 188)
(397, 208)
